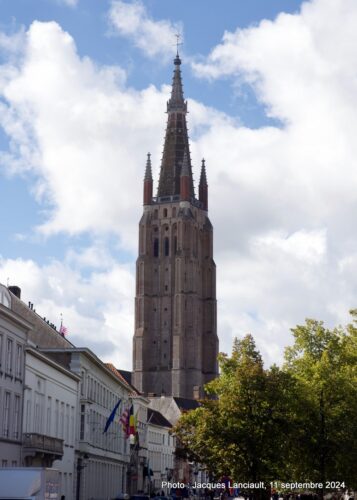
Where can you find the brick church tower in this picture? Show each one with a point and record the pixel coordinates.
(175, 341)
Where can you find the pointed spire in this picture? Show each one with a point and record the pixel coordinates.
(203, 187)
(203, 177)
(148, 171)
(176, 140)
(177, 101)
(147, 195)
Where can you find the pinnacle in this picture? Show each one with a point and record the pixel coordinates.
(203, 177)
(148, 171)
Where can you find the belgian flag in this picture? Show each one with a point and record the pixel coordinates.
(132, 426)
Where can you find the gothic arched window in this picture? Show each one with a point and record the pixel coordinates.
(156, 247)
(166, 247)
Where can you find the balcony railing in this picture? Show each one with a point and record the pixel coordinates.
(45, 444)
(175, 198)
(166, 199)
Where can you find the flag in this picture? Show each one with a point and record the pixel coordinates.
(131, 422)
(124, 419)
(63, 330)
(111, 416)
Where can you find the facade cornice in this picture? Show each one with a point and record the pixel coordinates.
(41, 356)
(15, 318)
(92, 357)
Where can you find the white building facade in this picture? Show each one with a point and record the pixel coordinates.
(102, 459)
(50, 411)
(13, 337)
(161, 449)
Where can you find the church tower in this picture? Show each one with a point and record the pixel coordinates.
(175, 340)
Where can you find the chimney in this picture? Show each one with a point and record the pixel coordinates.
(16, 290)
(196, 392)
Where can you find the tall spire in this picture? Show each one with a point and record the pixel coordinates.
(176, 140)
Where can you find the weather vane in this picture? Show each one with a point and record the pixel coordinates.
(178, 36)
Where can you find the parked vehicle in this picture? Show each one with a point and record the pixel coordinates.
(29, 483)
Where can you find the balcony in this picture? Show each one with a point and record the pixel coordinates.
(39, 445)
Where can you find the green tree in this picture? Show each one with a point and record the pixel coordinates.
(324, 364)
(244, 431)
(298, 423)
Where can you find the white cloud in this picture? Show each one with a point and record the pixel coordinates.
(69, 3)
(12, 43)
(77, 129)
(284, 202)
(97, 309)
(282, 199)
(308, 247)
(131, 20)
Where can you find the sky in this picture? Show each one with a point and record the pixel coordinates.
(272, 92)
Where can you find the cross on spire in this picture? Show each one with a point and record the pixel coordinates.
(178, 36)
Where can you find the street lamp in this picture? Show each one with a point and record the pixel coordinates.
(81, 464)
(169, 473)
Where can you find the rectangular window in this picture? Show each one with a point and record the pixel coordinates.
(90, 390)
(72, 427)
(1, 340)
(6, 415)
(48, 417)
(28, 414)
(56, 417)
(9, 356)
(37, 414)
(4, 463)
(81, 433)
(61, 429)
(82, 384)
(16, 417)
(18, 366)
(67, 425)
